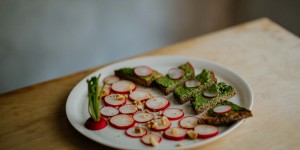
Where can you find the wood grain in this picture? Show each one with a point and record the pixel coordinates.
(264, 53)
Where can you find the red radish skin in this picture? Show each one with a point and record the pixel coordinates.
(109, 111)
(157, 104)
(111, 79)
(192, 83)
(206, 131)
(175, 73)
(142, 71)
(222, 109)
(189, 122)
(123, 87)
(122, 121)
(173, 113)
(146, 139)
(131, 132)
(95, 125)
(142, 117)
(175, 134)
(128, 109)
(111, 100)
(209, 95)
(139, 95)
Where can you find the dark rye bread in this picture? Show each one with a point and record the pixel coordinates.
(200, 103)
(128, 73)
(237, 113)
(166, 85)
(183, 94)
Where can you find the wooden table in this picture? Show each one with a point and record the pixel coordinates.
(265, 54)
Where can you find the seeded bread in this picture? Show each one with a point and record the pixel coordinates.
(183, 94)
(167, 85)
(237, 113)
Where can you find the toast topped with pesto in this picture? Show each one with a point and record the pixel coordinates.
(176, 76)
(142, 75)
(211, 96)
(224, 112)
(202, 81)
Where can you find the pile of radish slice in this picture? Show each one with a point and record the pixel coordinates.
(122, 112)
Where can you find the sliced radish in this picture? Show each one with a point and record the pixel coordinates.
(151, 139)
(161, 125)
(173, 113)
(157, 103)
(175, 134)
(111, 79)
(122, 121)
(109, 111)
(142, 117)
(136, 132)
(142, 71)
(128, 109)
(123, 86)
(206, 131)
(106, 91)
(209, 94)
(114, 100)
(192, 83)
(222, 109)
(139, 95)
(175, 73)
(189, 122)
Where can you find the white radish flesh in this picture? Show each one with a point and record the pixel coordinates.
(142, 117)
(209, 94)
(108, 111)
(132, 132)
(189, 122)
(151, 139)
(106, 91)
(175, 73)
(123, 86)
(139, 95)
(173, 113)
(111, 79)
(222, 109)
(157, 103)
(175, 134)
(192, 83)
(122, 121)
(206, 131)
(142, 71)
(128, 109)
(114, 100)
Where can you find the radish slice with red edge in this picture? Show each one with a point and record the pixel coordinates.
(128, 109)
(142, 71)
(157, 104)
(142, 117)
(162, 125)
(151, 139)
(139, 95)
(175, 134)
(209, 94)
(175, 73)
(222, 109)
(189, 122)
(192, 83)
(106, 91)
(123, 86)
(132, 132)
(122, 121)
(114, 100)
(109, 111)
(173, 113)
(111, 79)
(206, 131)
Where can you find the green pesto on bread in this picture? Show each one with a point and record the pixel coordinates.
(223, 91)
(166, 84)
(182, 93)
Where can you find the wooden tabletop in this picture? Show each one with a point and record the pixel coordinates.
(264, 53)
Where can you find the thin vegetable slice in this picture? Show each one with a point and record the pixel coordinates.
(114, 100)
(175, 134)
(173, 113)
(111, 79)
(142, 71)
(206, 131)
(122, 121)
(143, 117)
(123, 87)
(109, 111)
(222, 109)
(210, 94)
(189, 122)
(151, 139)
(128, 109)
(192, 83)
(175, 73)
(136, 132)
(157, 104)
(139, 95)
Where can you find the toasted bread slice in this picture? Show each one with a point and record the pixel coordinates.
(167, 85)
(183, 94)
(236, 113)
(201, 103)
(128, 73)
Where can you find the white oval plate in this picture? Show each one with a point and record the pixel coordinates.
(77, 102)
